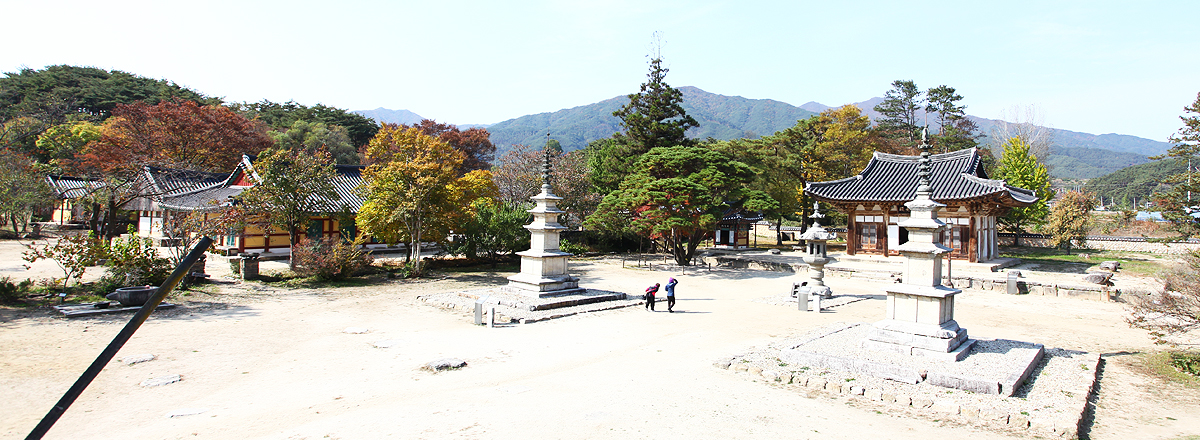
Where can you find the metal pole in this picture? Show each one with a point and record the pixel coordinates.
(119, 341)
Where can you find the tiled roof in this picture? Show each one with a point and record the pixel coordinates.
(956, 176)
(167, 181)
(346, 181)
(73, 187)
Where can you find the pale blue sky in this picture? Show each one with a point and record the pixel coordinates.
(1093, 66)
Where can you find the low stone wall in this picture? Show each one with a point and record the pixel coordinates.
(1134, 244)
(1089, 292)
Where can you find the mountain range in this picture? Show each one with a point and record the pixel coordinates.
(1074, 155)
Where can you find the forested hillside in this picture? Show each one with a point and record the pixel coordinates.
(1137, 182)
(720, 117)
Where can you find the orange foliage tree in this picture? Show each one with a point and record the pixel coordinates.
(474, 143)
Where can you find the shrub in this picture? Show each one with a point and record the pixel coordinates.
(10, 292)
(1175, 310)
(330, 258)
(572, 247)
(133, 261)
(1186, 362)
(72, 254)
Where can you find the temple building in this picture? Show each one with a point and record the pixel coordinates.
(874, 201)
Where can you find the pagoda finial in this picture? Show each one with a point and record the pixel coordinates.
(546, 164)
(816, 215)
(924, 168)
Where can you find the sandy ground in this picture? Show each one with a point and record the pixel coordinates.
(263, 362)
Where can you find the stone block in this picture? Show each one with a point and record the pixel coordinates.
(885, 371)
(903, 400)
(1018, 421)
(755, 370)
(874, 394)
(970, 412)
(1010, 384)
(945, 407)
(785, 377)
(833, 387)
(816, 383)
(445, 364)
(974, 385)
(723, 363)
(770, 375)
(137, 359)
(800, 380)
(992, 416)
(160, 381)
(740, 366)
(922, 402)
(888, 397)
(857, 390)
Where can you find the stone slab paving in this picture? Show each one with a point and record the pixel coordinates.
(512, 307)
(1050, 403)
(90, 309)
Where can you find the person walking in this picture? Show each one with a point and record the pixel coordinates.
(650, 291)
(671, 295)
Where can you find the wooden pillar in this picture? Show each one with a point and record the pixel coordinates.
(851, 232)
(972, 240)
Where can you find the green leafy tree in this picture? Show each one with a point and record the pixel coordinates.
(72, 253)
(22, 190)
(281, 116)
(1070, 220)
(653, 118)
(312, 136)
(408, 186)
(59, 145)
(496, 229)
(677, 195)
(898, 113)
(1021, 169)
(1177, 204)
(291, 188)
(833, 145)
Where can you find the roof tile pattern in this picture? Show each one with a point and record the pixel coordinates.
(956, 176)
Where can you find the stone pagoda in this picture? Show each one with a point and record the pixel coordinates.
(920, 312)
(544, 265)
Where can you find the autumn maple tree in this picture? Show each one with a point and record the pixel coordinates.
(474, 143)
(412, 187)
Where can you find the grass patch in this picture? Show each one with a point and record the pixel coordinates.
(1083, 260)
(1164, 365)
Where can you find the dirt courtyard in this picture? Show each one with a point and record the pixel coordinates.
(259, 361)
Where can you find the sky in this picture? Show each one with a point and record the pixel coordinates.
(1091, 66)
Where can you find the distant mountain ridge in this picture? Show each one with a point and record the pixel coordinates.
(383, 115)
(1074, 155)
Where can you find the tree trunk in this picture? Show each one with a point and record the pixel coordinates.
(779, 231)
(292, 236)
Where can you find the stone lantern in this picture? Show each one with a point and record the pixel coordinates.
(816, 256)
(920, 311)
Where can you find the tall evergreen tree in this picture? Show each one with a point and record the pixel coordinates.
(955, 132)
(1179, 204)
(1021, 169)
(899, 112)
(654, 117)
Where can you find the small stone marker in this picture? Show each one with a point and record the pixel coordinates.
(774, 251)
(1111, 266)
(186, 412)
(386, 344)
(137, 359)
(356, 330)
(445, 364)
(160, 381)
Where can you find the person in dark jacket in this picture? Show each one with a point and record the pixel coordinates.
(650, 291)
(671, 295)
